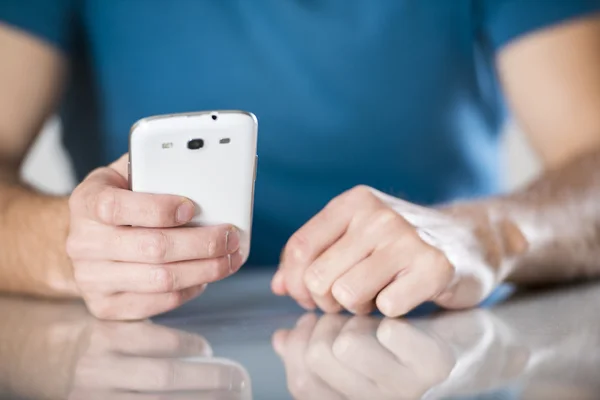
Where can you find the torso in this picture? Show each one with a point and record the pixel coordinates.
(385, 93)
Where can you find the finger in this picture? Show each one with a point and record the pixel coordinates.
(320, 275)
(430, 360)
(120, 165)
(136, 306)
(294, 283)
(279, 340)
(428, 276)
(327, 226)
(114, 277)
(86, 394)
(291, 346)
(297, 339)
(376, 230)
(357, 347)
(117, 372)
(155, 246)
(323, 363)
(278, 283)
(117, 206)
(322, 231)
(327, 303)
(146, 339)
(360, 285)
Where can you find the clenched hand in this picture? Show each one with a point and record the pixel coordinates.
(366, 249)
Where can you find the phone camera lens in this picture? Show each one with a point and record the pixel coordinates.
(214, 117)
(195, 144)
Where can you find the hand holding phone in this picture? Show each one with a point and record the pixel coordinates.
(138, 254)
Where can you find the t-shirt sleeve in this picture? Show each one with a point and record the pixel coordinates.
(505, 20)
(49, 20)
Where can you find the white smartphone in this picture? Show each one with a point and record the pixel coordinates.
(209, 157)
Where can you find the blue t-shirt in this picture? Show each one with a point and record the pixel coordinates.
(396, 94)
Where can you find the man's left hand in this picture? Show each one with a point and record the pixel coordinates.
(366, 249)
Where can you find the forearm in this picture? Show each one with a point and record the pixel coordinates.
(33, 231)
(550, 230)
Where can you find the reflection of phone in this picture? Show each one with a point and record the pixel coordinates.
(208, 157)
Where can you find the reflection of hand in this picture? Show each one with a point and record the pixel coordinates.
(146, 361)
(488, 354)
(360, 358)
(367, 249)
(363, 357)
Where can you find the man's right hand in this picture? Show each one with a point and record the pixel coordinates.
(132, 257)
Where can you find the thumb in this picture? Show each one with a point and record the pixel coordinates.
(121, 165)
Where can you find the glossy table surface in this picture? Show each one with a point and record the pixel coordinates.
(237, 341)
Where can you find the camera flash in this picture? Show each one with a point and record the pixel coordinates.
(167, 145)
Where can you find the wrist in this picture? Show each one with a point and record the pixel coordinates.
(34, 231)
(502, 241)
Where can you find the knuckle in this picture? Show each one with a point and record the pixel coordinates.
(437, 259)
(313, 281)
(159, 211)
(106, 206)
(154, 246)
(212, 244)
(358, 194)
(361, 191)
(163, 280)
(298, 246)
(363, 195)
(386, 216)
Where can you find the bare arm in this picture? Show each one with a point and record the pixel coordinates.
(33, 226)
(552, 82)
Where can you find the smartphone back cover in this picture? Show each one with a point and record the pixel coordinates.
(218, 178)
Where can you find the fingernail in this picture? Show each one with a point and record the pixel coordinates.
(185, 211)
(232, 240)
(343, 294)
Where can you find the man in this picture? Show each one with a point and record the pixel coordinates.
(355, 99)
